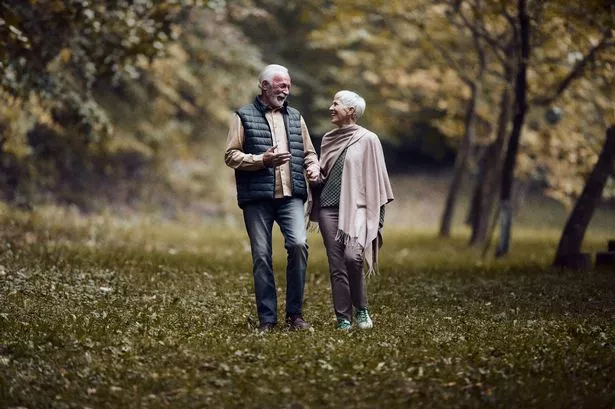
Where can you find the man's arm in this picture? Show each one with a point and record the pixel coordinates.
(310, 159)
(234, 155)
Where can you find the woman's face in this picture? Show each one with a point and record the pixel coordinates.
(340, 114)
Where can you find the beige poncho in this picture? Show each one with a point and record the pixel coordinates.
(365, 187)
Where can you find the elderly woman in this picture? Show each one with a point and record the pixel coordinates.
(349, 199)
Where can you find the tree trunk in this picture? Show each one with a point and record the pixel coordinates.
(474, 209)
(569, 247)
(488, 184)
(508, 171)
(460, 164)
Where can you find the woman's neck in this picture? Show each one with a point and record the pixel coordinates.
(348, 125)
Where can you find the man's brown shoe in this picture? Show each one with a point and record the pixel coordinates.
(297, 322)
(266, 327)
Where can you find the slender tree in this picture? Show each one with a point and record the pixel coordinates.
(568, 253)
(487, 185)
(474, 83)
(520, 109)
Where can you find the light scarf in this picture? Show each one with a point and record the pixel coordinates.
(365, 188)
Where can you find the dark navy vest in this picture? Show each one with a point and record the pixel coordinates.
(260, 184)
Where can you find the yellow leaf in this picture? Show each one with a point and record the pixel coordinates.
(57, 6)
(65, 55)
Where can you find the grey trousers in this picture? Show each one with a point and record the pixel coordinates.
(345, 267)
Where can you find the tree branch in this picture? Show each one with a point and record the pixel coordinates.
(496, 74)
(484, 34)
(576, 71)
(441, 50)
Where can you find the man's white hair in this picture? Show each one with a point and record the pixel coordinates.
(269, 72)
(351, 99)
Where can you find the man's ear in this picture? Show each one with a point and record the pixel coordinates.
(264, 84)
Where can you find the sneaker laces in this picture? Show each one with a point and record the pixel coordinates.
(362, 314)
(343, 324)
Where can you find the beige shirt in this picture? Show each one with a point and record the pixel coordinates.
(237, 159)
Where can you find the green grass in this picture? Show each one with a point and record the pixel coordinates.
(104, 312)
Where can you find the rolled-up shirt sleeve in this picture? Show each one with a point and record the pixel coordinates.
(234, 156)
(310, 157)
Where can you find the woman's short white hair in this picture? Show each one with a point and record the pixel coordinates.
(351, 99)
(270, 71)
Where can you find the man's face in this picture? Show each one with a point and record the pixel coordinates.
(275, 93)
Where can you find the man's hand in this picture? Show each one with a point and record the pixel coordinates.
(313, 174)
(272, 159)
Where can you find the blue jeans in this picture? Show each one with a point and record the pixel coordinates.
(259, 217)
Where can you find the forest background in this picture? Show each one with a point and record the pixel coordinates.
(125, 275)
(123, 106)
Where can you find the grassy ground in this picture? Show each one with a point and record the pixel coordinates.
(105, 312)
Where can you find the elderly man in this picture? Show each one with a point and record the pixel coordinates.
(270, 149)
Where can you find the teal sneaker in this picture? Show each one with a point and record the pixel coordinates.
(364, 321)
(343, 324)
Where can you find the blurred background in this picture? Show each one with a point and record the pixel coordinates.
(122, 106)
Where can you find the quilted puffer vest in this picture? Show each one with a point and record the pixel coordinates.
(258, 185)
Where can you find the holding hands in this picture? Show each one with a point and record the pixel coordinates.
(313, 174)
